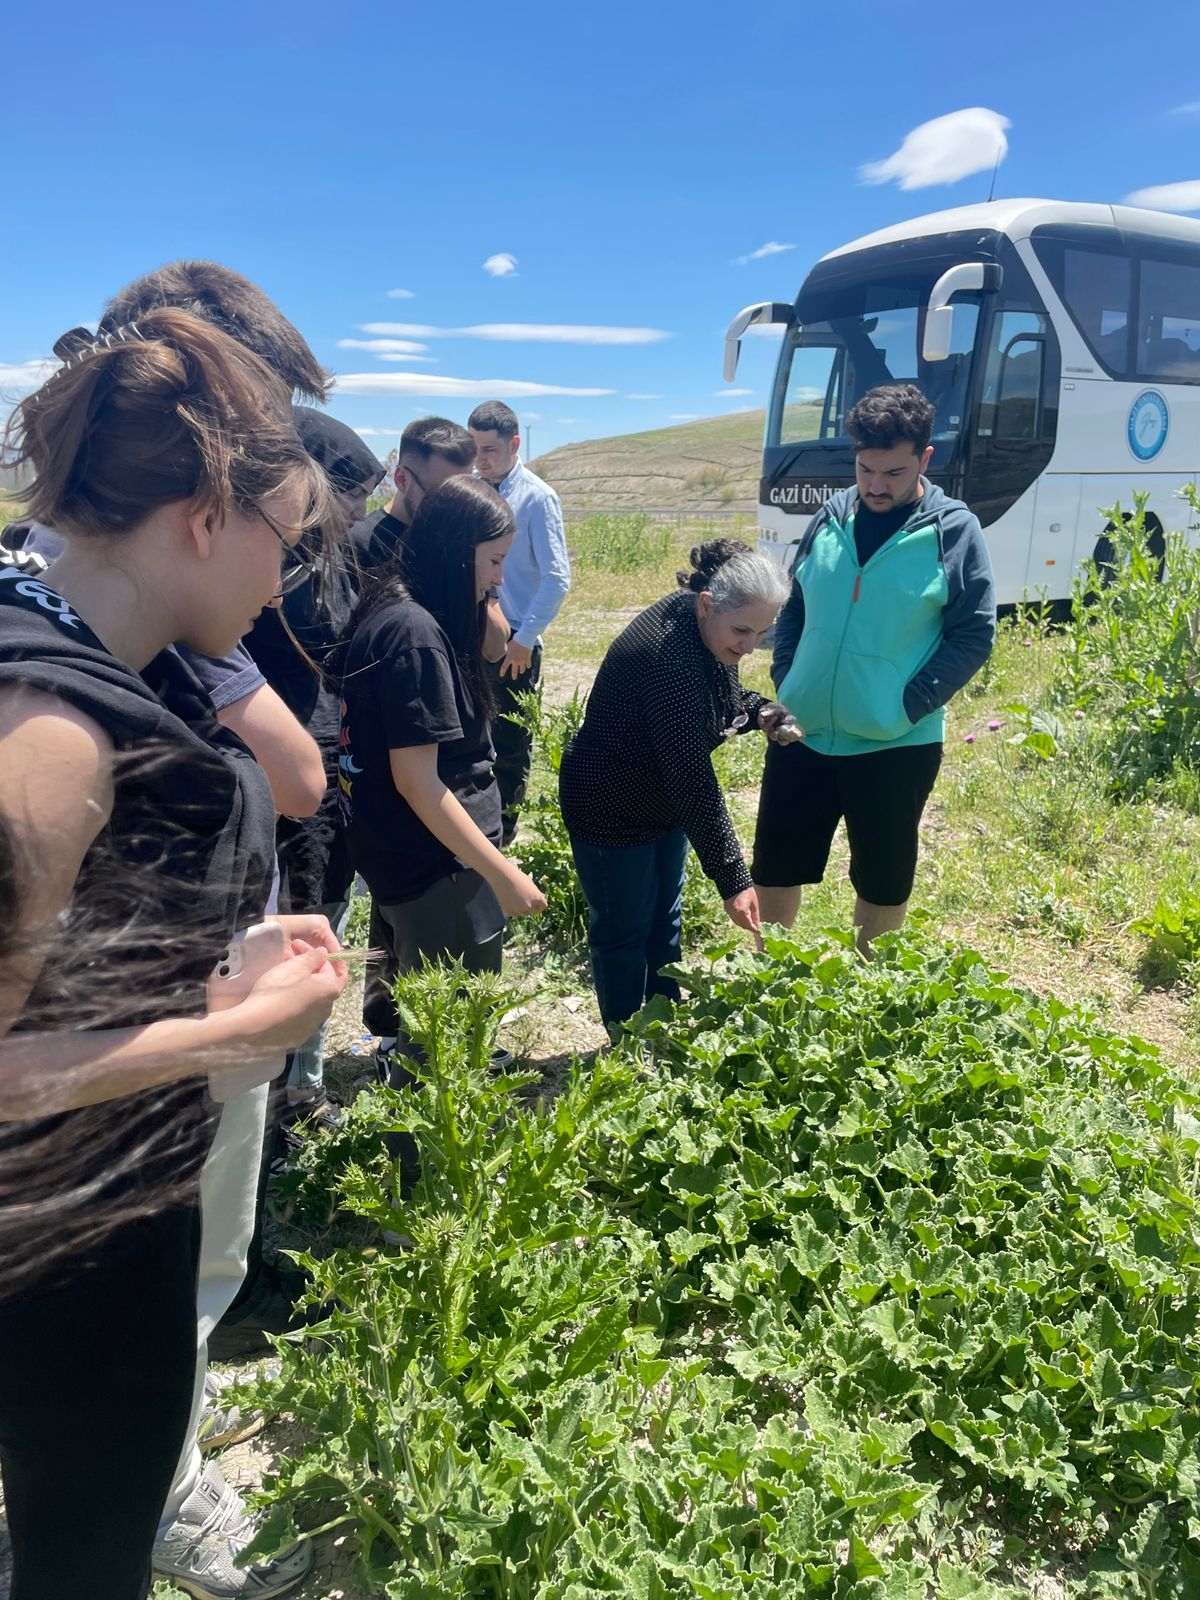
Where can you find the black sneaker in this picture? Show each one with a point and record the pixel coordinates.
(300, 1118)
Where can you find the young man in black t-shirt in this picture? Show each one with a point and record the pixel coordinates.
(892, 611)
(432, 449)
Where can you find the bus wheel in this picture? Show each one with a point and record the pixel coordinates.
(1104, 555)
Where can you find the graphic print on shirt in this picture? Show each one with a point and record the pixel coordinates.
(34, 589)
(348, 770)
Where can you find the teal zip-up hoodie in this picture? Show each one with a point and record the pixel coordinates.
(866, 657)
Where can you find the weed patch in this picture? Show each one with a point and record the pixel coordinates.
(843, 1280)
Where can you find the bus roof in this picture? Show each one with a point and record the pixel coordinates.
(1017, 219)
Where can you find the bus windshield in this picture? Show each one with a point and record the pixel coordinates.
(855, 331)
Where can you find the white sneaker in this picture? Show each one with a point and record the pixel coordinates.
(222, 1424)
(199, 1551)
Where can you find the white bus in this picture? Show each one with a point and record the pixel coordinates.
(1059, 344)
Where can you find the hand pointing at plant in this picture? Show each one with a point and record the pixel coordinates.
(742, 910)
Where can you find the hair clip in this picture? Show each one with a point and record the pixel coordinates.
(76, 343)
(73, 343)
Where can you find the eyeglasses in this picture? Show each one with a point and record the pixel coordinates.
(295, 567)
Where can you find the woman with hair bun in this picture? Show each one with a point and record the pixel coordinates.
(637, 784)
(137, 839)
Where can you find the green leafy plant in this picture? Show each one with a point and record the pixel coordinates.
(1131, 651)
(791, 1294)
(542, 846)
(358, 924)
(619, 541)
(1055, 779)
(1172, 935)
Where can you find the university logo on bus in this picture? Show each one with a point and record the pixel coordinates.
(798, 496)
(1148, 424)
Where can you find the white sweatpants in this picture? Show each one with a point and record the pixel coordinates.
(228, 1192)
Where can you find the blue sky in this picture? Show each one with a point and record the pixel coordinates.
(626, 159)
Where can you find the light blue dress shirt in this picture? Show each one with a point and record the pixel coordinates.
(537, 570)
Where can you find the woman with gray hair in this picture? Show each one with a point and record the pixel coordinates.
(637, 784)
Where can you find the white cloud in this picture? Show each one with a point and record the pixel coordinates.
(25, 376)
(1168, 196)
(388, 349)
(944, 150)
(400, 294)
(771, 248)
(531, 416)
(522, 332)
(426, 383)
(731, 394)
(683, 416)
(1191, 109)
(500, 266)
(378, 433)
(407, 330)
(643, 397)
(564, 333)
(766, 330)
(566, 422)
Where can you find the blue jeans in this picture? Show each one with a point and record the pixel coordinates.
(308, 1062)
(635, 900)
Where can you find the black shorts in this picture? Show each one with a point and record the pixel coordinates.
(881, 795)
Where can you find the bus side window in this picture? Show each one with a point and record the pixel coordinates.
(1169, 321)
(1011, 406)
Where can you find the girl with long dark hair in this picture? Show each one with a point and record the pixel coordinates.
(138, 836)
(419, 797)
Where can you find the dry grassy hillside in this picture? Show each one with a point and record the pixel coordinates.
(709, 465)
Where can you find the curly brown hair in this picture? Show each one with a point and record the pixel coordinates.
(895, 413)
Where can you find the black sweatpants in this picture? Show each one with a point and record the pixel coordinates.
(96, 1376)
(458, 919)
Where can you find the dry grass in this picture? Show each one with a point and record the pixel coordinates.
(711, 465)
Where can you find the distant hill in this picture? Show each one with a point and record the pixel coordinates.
(709, 465)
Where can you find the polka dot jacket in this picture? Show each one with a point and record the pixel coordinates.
(641, 765)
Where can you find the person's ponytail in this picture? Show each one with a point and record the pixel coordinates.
(163, 409)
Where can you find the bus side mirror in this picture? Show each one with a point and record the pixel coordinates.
(966, 278)
(763, 314)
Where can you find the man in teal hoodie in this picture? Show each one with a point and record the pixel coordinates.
(892, 611)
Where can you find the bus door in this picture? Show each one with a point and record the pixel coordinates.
(1030, 536)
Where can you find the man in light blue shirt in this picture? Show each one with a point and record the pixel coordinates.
(537, 575)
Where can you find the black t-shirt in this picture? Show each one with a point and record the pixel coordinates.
(402, 688)
(377, 540)
(873, 529)
(317, 614)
